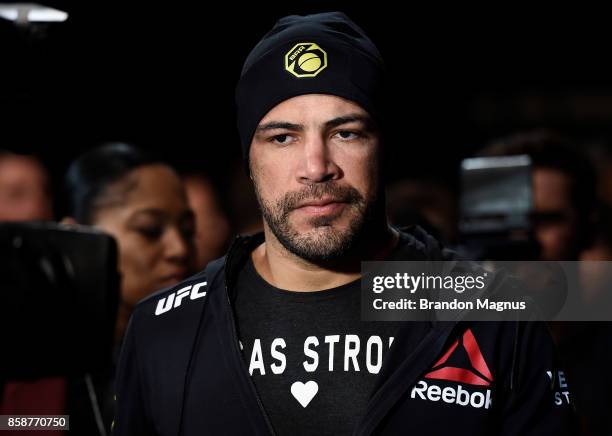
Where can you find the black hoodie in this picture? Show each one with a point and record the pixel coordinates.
(181, 371)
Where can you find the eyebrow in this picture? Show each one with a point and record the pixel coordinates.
(273, 125)
(335, 122)
(351, 118)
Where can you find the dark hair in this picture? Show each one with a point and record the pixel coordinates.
(90, 175)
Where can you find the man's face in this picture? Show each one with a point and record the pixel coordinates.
(556, 218)
(24, 192)
(314, 161)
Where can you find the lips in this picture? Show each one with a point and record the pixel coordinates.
(320, 202)
(321, 207)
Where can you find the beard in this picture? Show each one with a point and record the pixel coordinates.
(324, 241)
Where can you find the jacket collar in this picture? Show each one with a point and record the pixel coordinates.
(237, 255)
(414, 244)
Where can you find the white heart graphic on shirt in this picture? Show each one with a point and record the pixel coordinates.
(304, 392)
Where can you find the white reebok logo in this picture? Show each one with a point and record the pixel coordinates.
(304, 392)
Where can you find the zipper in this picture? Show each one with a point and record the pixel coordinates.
(235, 338)
(401, 380)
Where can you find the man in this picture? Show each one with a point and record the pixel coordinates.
(269, 339)
(25, 194)
(565, 202)
(564, 191)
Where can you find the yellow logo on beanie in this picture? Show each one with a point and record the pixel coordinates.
(305, 59)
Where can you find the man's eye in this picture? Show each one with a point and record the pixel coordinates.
(281, 139)
(346, 135)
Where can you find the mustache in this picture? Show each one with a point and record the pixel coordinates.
(337, 193)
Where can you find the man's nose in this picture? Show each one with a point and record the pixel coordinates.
(317, 164)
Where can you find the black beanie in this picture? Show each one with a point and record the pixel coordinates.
(315, 54)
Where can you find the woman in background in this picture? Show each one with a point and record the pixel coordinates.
(141, 202)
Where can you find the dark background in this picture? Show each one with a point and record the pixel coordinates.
(162, 75)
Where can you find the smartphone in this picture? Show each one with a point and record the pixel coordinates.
(60, 290)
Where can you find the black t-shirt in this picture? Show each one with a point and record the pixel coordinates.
(313, 361)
